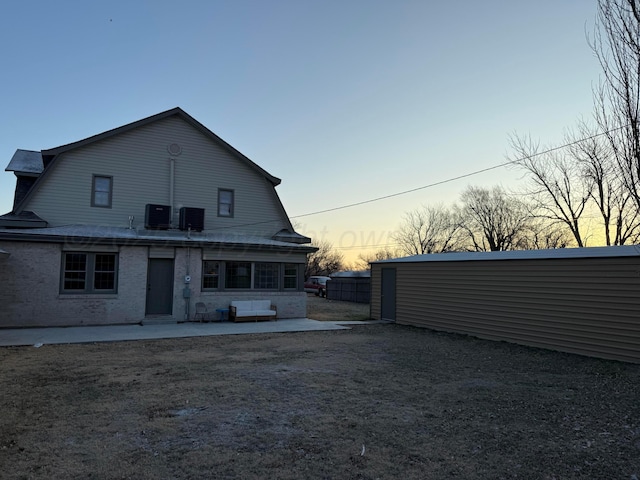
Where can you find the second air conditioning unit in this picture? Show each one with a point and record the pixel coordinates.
(192, 218)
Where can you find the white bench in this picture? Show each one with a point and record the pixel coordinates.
(252, 310)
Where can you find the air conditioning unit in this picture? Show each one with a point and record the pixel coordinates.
(157, 217)
(192, 218)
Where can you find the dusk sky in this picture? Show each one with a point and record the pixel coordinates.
(345, 101)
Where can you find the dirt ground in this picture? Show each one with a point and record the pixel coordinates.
(377, 401)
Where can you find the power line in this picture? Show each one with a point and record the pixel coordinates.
(459, 177)
(377, 245)
(441, 182)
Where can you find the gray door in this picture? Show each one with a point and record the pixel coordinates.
(160, 286)
(388, 298)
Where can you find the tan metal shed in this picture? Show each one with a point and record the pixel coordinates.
(583, 300)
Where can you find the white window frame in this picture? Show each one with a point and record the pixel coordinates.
(95, 191)
(226, 205)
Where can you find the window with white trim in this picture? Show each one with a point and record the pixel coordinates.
(101, 191)
(225, 203)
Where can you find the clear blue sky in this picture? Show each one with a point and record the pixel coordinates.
(344, 100)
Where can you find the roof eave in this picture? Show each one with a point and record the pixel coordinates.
(147, 241)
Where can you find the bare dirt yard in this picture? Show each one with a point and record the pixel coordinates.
(377, 401)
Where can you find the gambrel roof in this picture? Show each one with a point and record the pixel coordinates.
(33, 163)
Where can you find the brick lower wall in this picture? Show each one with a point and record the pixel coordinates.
(30, 294)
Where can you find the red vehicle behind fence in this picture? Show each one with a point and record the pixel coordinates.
(316, 284)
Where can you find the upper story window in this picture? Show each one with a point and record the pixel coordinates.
(225, 203)
(101, 191)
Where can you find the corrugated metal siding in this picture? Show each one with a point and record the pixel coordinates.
(589, 306)
(349, 289)
(376, 291)
(139, 163)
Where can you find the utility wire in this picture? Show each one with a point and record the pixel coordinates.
(459, 177)
(441, 182)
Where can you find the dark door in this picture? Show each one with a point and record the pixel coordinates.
(388, 298)
(160, 286)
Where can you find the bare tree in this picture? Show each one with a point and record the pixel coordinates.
(616, 44)
(364, 259)
(427, 230)
(539, 234)
(557, 189)
(492, 220)
(620, 222)
(325, 261)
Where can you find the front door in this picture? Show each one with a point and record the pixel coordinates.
(160, 286)
(388, 297)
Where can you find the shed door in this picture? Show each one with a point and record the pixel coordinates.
(388, 297)
(160, 286)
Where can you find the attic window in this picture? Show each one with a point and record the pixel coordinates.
(101, 191)
(225, 203)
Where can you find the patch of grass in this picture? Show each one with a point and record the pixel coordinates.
(333, 310)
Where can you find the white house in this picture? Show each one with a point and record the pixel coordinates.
(141, 222)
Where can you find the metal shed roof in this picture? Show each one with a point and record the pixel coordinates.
(587, 252)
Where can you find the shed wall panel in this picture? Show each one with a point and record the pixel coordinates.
(376, 291)
(589, 306)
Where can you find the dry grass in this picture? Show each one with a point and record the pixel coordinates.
(319, 308)
(374, 402)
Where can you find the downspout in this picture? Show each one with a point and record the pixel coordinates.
(172, 170)
(187, 299)
(174, 151)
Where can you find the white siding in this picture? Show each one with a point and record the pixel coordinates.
(139, 163)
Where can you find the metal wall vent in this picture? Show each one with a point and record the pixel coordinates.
(174, 149)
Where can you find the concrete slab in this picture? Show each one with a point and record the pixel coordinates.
(116, 333)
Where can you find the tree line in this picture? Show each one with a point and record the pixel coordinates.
(587, 192)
